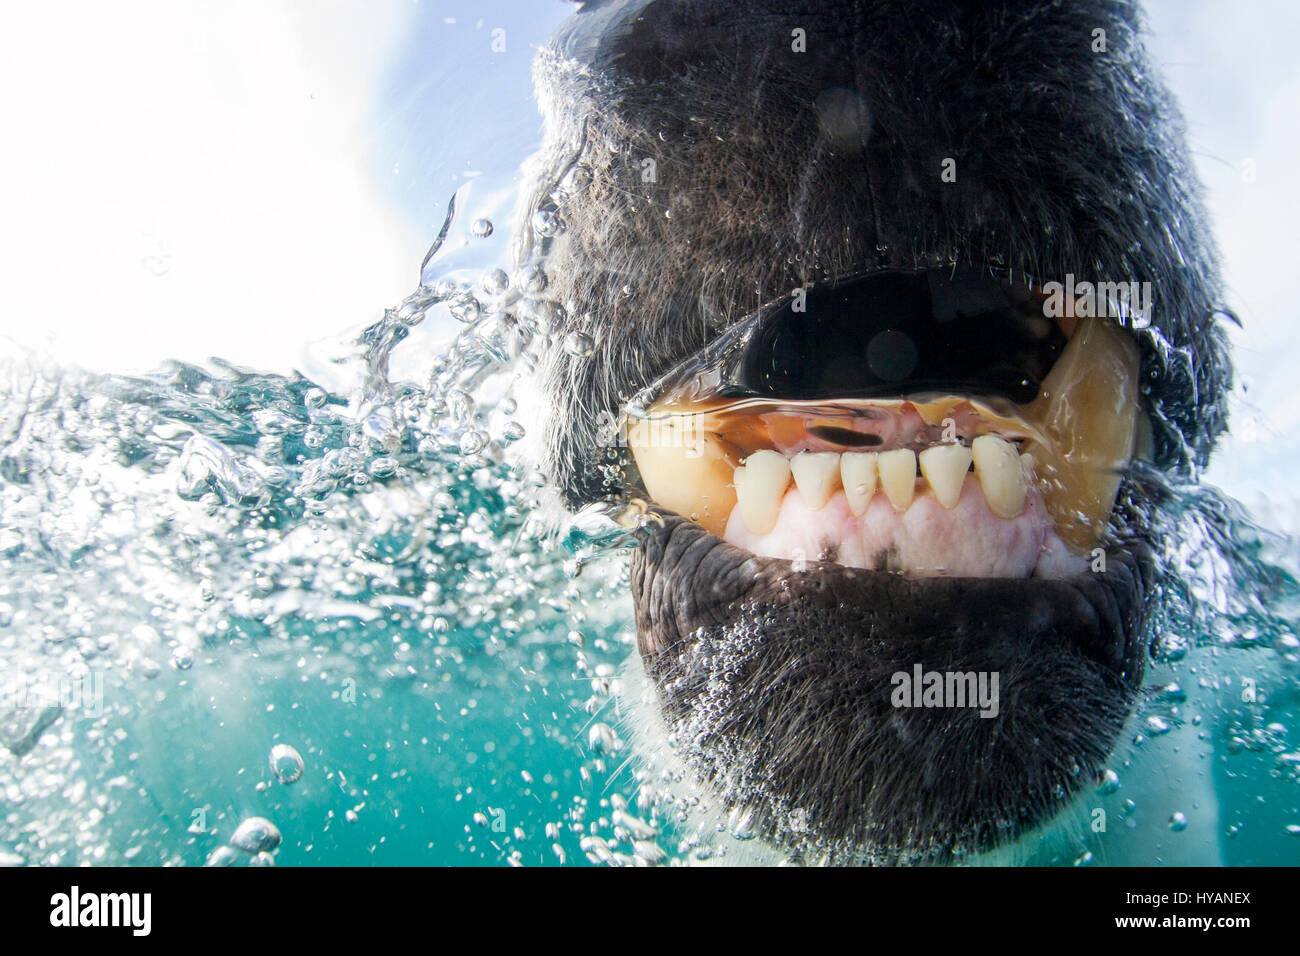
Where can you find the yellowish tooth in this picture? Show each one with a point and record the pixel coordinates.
(1087, 415)
(858, 475)
(760, 485)
(1001, 475)
(945, 467)
(898, 476)
(685, 469)
(816, 475)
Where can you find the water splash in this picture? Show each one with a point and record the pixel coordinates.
(354, 561)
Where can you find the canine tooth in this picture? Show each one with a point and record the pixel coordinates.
(815, 475)
(858, 475)
(760, 485)
(1001, 474)
(1087, 414)
(944, 467)
(898, 476)
(685, 468)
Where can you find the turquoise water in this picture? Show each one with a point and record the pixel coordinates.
(202, 567)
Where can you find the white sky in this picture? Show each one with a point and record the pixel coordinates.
(1233, 68)
(186, 179)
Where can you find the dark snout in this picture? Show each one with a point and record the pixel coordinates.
(783, 686)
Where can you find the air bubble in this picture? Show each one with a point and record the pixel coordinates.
(286, 764)
(221, 856)
(602, 739)
(255, 835)
(1109, 782)
(741, 824)
(482, 228)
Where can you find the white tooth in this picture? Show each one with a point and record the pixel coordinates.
(945, 467)
(858, 475)
(760, 485)
(815, 475)
(898, 476)
(1001, 472)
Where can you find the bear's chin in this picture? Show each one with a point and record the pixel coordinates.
(776, 685)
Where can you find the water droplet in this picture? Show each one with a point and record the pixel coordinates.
(465, 308)
(1178, 822)
(574, 181)
(546, 223)
(512, 431)
(460, 405)
(495, 281)
(535, 280)
(255, 835)
(286, 763)
(482, 228)
(473, 442)
(579, 344)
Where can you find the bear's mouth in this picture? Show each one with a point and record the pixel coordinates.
(897, 471)
(925, 423)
